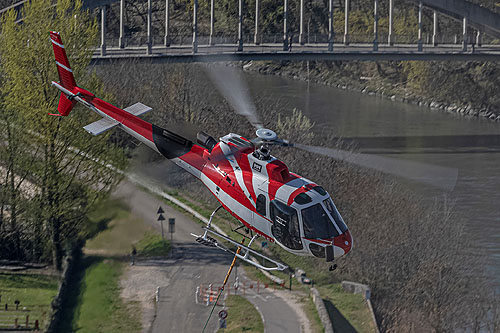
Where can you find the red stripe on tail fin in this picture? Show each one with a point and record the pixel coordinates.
(65, 73)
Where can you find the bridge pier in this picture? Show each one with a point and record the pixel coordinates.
(121, 41)
(257, 18)
(167, 24)
(103, 31)
(420, 42)
(149, 48)
(390, 40)
(195, 26)
(240, 25)
(285, 25)
(301, 33)
(330, 26)
(465, 37)
(479, 38)
(435, 29)
(346, 23)
(212, 22)
(375, 25)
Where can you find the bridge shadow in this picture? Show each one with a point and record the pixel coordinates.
(339, 322)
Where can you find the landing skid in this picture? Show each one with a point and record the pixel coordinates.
(205, 239)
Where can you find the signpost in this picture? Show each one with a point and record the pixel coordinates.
(222, 319)
(171, 228)
(161, 219)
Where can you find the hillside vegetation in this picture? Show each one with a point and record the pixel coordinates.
(411, 254)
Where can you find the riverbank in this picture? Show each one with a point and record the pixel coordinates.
(372, 85)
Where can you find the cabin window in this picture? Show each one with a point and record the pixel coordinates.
(261, 205)
(317, 223)
(320, 190)
(285, 226)
(302, 199)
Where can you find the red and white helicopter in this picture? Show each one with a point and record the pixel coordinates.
(252, 185)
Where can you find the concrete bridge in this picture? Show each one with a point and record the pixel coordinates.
(297, 45)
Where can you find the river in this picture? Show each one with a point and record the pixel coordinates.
(407, 131)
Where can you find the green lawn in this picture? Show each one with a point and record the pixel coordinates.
(99, 307)
(115, 230)
(152, 245)
(348, 312)
(242, 316)
(95, 304)
(35, 292)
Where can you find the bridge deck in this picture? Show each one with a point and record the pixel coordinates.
(229, 52)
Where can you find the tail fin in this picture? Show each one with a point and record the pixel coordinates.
(66, 78)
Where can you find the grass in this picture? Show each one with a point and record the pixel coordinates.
(98, 306)
(348, 312)
(35, 292)
(117, 230)
(312, 314)
(152, 245)
(242, 316)
(95, 304)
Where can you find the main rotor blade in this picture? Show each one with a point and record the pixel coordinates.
(232, 86)
(437, 176)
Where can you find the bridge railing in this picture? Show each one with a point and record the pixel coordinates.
(401, 41)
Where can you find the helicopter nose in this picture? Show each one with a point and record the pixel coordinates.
(344, 241)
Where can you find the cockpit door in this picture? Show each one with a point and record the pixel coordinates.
(285, 228)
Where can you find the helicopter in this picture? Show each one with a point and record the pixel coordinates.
(252, 185)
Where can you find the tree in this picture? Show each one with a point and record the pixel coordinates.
(65, 164)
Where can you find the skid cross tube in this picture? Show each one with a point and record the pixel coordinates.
(277, 265)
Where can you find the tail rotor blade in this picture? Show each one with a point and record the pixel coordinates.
(230, 84)
(437, 176)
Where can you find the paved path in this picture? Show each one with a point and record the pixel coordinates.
(190, 266)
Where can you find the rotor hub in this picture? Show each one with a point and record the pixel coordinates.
(266, 134)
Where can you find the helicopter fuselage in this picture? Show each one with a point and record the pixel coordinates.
(266, 198)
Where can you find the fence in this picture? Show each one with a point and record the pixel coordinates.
(207, 293)
(12, 317)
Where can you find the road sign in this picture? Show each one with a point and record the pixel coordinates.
(161, 219)
(222, 323)
(222, 314)
(160, 211)
(171, 225)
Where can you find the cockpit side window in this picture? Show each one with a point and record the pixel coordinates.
(330, 206)
(317, 223)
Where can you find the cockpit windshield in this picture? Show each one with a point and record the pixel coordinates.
(335, 214)
(317, 223)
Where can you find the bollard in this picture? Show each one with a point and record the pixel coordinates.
(37, 325)
(258, 286)
(6, 307)
(15, 323)
(27, 321)
(157, 294)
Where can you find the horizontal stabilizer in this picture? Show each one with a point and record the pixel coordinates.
(137, 109)
(100, 126)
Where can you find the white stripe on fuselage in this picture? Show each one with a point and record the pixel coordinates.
(237, 170)
(287, 189)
